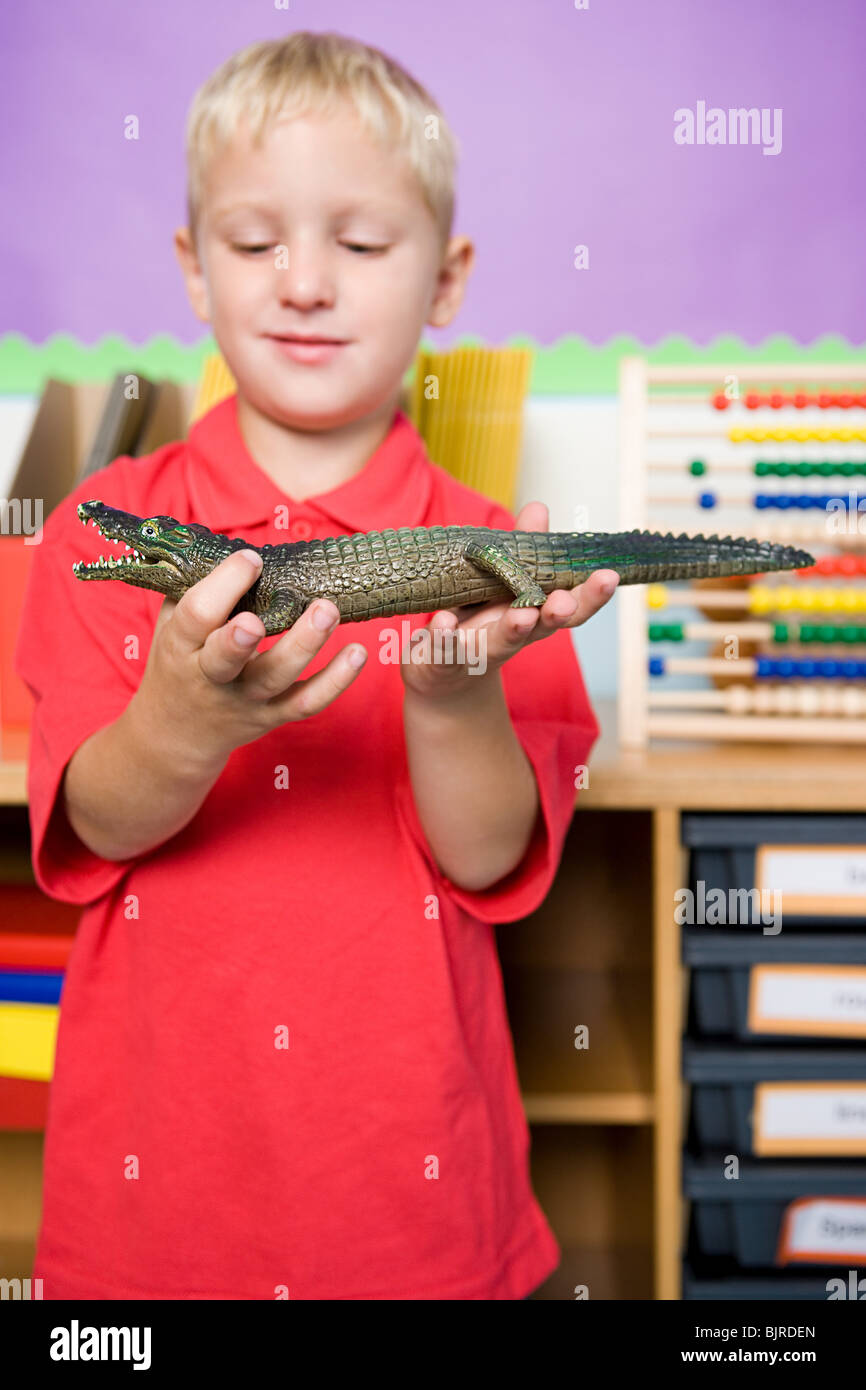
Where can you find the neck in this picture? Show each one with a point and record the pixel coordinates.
(304, 463)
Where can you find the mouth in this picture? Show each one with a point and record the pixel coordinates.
(131, 559)
(308, 340)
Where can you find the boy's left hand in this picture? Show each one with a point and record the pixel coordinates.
(507, 630)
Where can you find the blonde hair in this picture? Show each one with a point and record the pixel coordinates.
(312, 73)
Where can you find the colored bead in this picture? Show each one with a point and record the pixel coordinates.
(656, 666)
(707, 500)
(697, 468)
(780, 632)
(656, 595)
(720, 401)
(753, 400)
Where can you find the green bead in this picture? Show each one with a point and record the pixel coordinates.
(849, 633)
(847, 470)
(807, 632)
(803, 470)
(827, 632)
(780, 632)
(697, 468)
(762, 468)
(826, 470)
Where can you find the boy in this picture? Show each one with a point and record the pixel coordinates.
(283, 1066)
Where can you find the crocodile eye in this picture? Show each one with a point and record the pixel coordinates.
(148, 529)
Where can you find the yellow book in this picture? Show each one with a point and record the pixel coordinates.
(28, 1035)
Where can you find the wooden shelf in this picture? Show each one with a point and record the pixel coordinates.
(723, 775)
(13, 784)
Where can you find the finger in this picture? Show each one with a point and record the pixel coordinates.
(533, 516)
(275, 670)
(573, 607)
(315, 693)
(206, 606)
(227, 650)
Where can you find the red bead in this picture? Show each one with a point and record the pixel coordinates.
(848, 565)
(753, 400)
(846, 400)
(826, 564)
(861, 399)
(720, 401)
(825, 400)
(777, 400)
(801, 400)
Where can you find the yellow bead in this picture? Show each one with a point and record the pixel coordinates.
(759, 598)
(800, 435)
(656, 596)
(737, 436)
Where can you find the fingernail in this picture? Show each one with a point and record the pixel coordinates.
(244, 637)
(253, 556)
(357, 656)
(609, 586)
(322, 619)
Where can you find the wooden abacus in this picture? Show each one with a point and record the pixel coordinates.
(691, 436)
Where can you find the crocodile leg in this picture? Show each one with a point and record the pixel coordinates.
(495, 560)
(283, 610)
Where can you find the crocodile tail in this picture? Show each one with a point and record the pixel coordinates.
(644, 557)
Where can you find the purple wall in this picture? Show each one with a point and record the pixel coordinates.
(566, 121)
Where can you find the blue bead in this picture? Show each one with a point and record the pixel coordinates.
(764, 666)
(828, 669)
(656, 665)
(761, 500)
(851, 669)
(807, 667)
(706, 500)
(786, 667)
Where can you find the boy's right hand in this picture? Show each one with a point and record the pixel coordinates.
(207, 694)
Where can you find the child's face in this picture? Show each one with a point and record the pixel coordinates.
(279, 233)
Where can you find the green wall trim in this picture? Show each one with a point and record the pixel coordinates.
(569, 367)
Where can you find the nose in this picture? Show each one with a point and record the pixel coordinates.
(305, 276)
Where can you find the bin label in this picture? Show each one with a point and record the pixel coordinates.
(825, 879)
(825, 1000)
(824, 1229)
(816, 1117)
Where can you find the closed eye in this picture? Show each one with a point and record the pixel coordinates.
(356, 246)
(252, 249)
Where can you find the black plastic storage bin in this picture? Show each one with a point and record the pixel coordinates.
(738, 1220)
(723, 1081)
(783, 1287)
(720, 964)
(722, 854)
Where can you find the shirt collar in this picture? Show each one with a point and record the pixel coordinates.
(228, 489)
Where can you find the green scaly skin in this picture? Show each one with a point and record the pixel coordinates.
(413, 569)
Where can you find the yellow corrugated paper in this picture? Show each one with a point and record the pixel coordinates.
(468, 406)
(216, 383)
(28, 1035)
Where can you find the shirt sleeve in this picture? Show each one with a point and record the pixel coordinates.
(557, 728)
(81, 649)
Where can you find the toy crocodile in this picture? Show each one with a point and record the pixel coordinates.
(414, 569)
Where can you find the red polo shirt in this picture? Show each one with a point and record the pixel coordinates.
(284, 1066)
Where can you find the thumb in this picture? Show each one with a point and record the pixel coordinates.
(533, 516)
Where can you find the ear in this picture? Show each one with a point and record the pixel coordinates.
(457, 263)
(194, 278)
